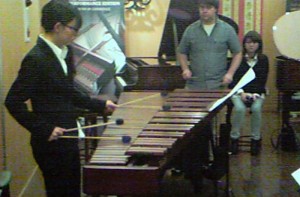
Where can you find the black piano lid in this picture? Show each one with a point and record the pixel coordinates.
(181, 13)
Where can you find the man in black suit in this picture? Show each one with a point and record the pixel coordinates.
(46, 79)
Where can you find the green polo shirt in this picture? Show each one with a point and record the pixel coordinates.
(208, 54)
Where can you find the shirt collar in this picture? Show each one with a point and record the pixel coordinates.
(59, 52)
(215, 24)
(251, 62)
(254, 58)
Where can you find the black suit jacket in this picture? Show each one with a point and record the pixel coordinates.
(53, 97)
(261, 70)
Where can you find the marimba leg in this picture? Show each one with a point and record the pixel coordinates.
(196, 156)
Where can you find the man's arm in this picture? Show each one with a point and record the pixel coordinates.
(183, 60)
(234, 65)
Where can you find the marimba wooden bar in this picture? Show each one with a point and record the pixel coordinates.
(158, 136)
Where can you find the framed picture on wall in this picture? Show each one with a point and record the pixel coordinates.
(292, 5)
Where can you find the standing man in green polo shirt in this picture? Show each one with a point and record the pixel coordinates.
(202, 53)
(204, 47)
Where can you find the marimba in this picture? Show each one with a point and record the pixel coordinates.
(159, 137)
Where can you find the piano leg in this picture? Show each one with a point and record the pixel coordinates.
(288, 138)
(286, 100)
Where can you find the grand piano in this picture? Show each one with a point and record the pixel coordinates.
(288, 83)
(287, 75)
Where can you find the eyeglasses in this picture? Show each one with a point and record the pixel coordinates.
(73, 28)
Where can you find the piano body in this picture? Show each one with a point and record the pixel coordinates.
(150, 74)
(159, 138)
(288, 74)
(288, 83)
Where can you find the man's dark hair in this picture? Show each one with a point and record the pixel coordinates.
(59, 11)
(254, 37)
(214, 3)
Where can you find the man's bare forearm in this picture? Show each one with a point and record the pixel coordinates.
(235, 63)
(183, 60)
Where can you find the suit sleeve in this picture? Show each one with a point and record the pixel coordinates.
(84, 101)
(20, 92)
(263, 75)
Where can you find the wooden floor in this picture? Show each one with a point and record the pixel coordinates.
(265, 175)
(268, 174)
